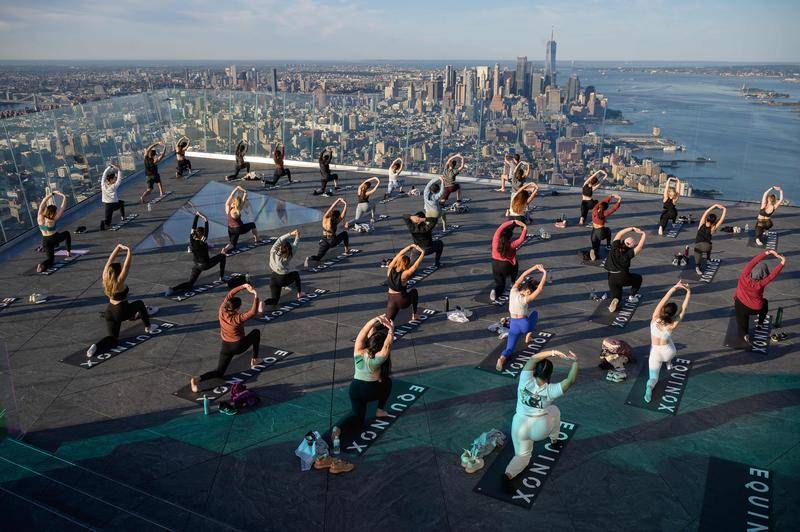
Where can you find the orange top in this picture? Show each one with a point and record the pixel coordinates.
(231, 322)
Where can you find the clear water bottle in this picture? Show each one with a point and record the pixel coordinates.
(205, 404)
(746, 227)
(149, 206)
(337, 446)
(541, 233)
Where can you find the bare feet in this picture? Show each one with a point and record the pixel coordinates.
(501, 361)
(254, 362)
(529, 338)
(347, 251)
(379, 412)
(261, 308)
(415, 317)
(193, 382)
(301, 295)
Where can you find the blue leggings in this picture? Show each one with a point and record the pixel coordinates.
(517, 328)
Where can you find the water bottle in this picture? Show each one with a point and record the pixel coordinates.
(336, 446)
(746, 227)
(686, 251)
(149, 206)
(205, 404)
(446, 304)
(541, 233)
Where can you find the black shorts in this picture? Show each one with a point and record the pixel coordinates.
(152, 180)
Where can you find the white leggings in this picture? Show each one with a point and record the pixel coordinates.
(362, 209)
(394, 185)
(659, 354)
(525, 430)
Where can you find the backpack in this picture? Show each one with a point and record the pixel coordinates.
(615, 354)
(241, 397)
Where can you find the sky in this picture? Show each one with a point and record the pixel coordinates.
(355, 30)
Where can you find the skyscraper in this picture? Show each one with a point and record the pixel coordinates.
(496, 81)
(483, 78)
(520, 77)
(469, 82)
(536, 83)
(573, 88)
(274, 81)
(550, 62)
(449, 78)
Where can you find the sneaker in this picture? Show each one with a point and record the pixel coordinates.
(91, 351)
(698, 271)
(325, 195)
(334, 465)
(613, 306)
(633, 299)
(592, 254)
(474, 464)
(493, 295)
(759, 243)
(660, 231)
(168, 292)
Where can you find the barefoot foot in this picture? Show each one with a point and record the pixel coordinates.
(193, 382)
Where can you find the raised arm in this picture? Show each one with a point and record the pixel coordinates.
(527, 170)
(163, 151)
(602, 178)
(523, 275)
(723, 212)
(376, 183)
(518, 242)
(43, 204)
(567, 383)
(623, 232)
(151, 147)
(63, 205)
(230, 199)
(572, 376)
(363, 334)
(413, 268)
(396, 258)
(533, 295)
(704, 216)
(126, 264)
(613, 207)
(402, 164)
(664, 300)
(677, 189)
(765, 196)
(640, 244)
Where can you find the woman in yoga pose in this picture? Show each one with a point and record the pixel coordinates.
(280, 171)
(325, 172)
(330, 239)
(372, 350)
(184, 164)
(396, 183)
(591, 184)
(510, 162)
(241, 164)
(399, 271)
(452, 168)
(231, 330)
(119, 309)
(663, 322)
(47, 219)
(706, 228)
(280, 256)
(202, 260)
(430, 198)
(519, 175)
(600, 214)
(536, 417)
(233, 211)
(365, 203)
(109, 184)
(769, 204)
(504, 255)
(421, 229)
(151, 160)
(669, 213)
(618, 266)
(523, 320)
(521, 201)
(749, 297)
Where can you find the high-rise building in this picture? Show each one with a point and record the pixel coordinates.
(449, 78)
(274, 81)
(536, 83)
(483, 79)
(550, 62)
(573, 88)
(469, 87)
(496, 81)
(521, 78)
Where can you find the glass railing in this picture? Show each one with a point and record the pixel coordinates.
(67, 148)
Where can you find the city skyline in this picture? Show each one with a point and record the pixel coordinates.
(352, 30)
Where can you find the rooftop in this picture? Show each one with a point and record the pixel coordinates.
(112, 447)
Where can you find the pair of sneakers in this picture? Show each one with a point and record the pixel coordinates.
(615, 302)
(617, 375)
(334, 465)
(471, 462)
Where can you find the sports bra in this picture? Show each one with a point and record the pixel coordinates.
(234, 222)
(763, 212)
(48, 228)
(661, 334)
(363, 198)
(517, 303)
(669, 204)
(587, 190)
(703, 235)
(121, 295)
(395, 281)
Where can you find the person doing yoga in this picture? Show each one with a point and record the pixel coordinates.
(521, 201)
(504, 255)
(536, 417)
(202, 261)
(709, 223)
(591, 184)
(152, 177)
(396, 183)
(510, 162)
(330, 239)
(430, 198)
(109, 185)
(241, 164)
(749, 297)
(365, 204)
(184, 164)
(523, 320)
(618, 266)
(769, 204)
(669, 212)
(452, 168)
(421, 229)
(325, 172)
(280, 256)
(399, 271)
(233, 211)
(600, 214)
(662, 324)
(519, 175)
(371, 356)
(280, 170)
(47, 218)
(119, 309)
(231, 331)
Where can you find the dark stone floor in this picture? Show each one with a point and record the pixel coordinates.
(111, 447)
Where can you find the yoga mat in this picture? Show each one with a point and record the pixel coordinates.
(516, 361)
(668, 392)
(619, 319)
(737, 497)
(130, 338)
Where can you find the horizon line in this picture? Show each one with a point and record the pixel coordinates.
(745, 62)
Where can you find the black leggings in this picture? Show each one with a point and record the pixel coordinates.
(397, 302)
(598, 235)
(331, 242)
(110, 208)
(239, 167)
(115, 315)
(235, 232)
(586, 208)
(200, 267)
(230, 349)
(278, 281)
(279, 173)
(762, 226)
(183, 165)
(436, 247)
(501, 270)
(700, 249)
(325, 179)
(617, 281)
(743, 314)
(50, 243)
(668, 214)
(361, 394)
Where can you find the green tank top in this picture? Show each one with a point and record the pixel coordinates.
(367, 369)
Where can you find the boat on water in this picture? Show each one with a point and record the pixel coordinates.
(670, 148)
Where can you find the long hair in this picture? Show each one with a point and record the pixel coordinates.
(711, 218)
(232, 304)
(50, 212)
(668, 312)
(377, 339)
(362, 188)
(772, 199)
(402, 264)
(519, 173)
(601, 212)
(504, 241)
(284, 251)
(111, 278)
(520, 201)
(199, 233)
